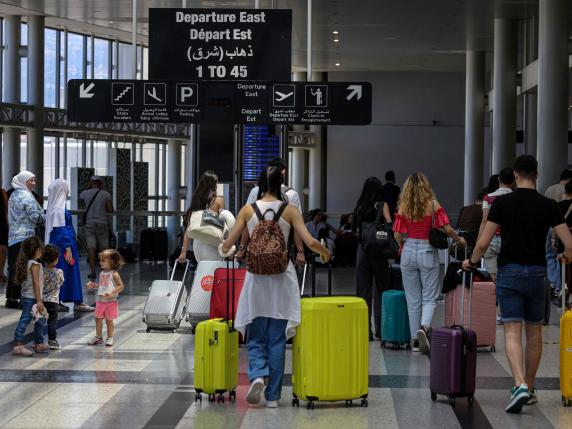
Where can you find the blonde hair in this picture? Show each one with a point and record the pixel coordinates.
(113, 258)
(416, 194)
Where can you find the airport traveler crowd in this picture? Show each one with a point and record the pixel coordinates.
(557, 193)
(372, 274)
(98, 208)
(418, 213)
(59, 231)
(205, 198)
(269, 305)
(524, 217)
(25, 219)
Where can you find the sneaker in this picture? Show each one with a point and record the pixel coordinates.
(423, 337)
(415, 345)
(54, 345)
(22, 351)
(83, 307)
(92, 276)
(12, 303)
(499, 320)
(41, 348)
(95, 341)
(533, 398)
(518, 397)
(109, 342)
(272, 404)
(253, 395)
(63, 308)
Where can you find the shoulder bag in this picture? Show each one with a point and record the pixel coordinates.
(377, 237)
(437, 238)
(206, 226)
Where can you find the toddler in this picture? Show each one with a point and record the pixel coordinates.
(53, 281)
(29, 273)
(108, 288)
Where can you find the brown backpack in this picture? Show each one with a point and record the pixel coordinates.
(266, 252)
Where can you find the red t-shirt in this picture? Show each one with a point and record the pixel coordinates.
(420, 229)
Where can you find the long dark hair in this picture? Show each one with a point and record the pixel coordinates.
(493, 184)
(205, 191)
(273, 182)
(27, 251)
(371, 193)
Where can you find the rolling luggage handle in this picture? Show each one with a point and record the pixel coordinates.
(564, 286)
(228, 311)
(463, 281)
(187, 265)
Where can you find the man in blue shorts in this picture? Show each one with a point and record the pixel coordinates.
(524, 217)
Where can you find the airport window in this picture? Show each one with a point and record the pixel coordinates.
(101, 59)
(125, 61)
(50, 67)
(49, 162)
(75, 56)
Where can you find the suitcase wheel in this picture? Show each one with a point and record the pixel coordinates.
(148, 330)
(349, 404)
(198, 397)
(212, 398)
(493, 349)
(220, 398)
(295, 402)
(471, 400)
(433, 396)
(566, 402)
(232, 395)
(408, 346)
(363, 402)
(452, 401)
(311, 405)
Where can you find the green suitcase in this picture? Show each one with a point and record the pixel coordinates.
(395, 320)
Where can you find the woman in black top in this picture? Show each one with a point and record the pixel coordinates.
(369, 268)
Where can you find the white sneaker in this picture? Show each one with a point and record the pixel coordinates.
(109, 342)
(272, 404)
(256, 387)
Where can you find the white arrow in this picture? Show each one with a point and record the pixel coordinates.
(355, 92)
(84, 92)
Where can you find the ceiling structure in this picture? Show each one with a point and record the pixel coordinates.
(373, 34)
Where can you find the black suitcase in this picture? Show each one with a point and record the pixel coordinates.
(153, 243)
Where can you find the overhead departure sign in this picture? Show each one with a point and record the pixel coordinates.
(218, 102)
(226, 44)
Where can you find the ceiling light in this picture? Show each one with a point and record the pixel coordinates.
(111, 22)
(337, 64)
(335, 32)
(336, 40)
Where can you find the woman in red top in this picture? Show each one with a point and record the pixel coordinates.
(420, 260)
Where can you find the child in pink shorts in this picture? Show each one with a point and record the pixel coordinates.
(108, 289)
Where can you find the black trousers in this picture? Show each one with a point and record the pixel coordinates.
(52, 308)
(13, 290)
(372, 279)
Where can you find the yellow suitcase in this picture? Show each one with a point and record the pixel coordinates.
(216, 359)
(330, 351)
(565, 347)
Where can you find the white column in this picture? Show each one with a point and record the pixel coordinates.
(504, 87)
(173, 186)
(474, 123)
(11, 136)
(552, 91)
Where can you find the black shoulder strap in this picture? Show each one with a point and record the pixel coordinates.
(279, 212)
(257, 212)
(89, 205)
(379, 211)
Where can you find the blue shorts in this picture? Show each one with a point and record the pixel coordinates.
(520, 293)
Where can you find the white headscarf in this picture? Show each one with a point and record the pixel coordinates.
(55, 214)
(20, 179)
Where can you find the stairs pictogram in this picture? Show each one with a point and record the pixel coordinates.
(125, 91)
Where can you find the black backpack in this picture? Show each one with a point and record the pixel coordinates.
(377, 238)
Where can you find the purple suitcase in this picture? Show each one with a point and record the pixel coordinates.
(454, 360)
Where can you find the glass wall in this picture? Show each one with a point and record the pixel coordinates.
(50, 67)
(101, 59)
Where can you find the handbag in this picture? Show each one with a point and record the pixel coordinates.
(377, 237)
(437, 238)
(207, 227)
(40, 230)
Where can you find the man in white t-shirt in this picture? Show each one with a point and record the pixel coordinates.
(289, 196)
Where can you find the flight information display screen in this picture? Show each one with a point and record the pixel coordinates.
(260, 146)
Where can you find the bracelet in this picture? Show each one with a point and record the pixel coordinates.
(242, 247)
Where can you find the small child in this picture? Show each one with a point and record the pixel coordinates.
(108, 288)
(29, 273)
(53, 281)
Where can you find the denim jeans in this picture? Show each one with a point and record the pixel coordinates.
(25, 319)
(266, 353)
(420, 271)
(552, 265)
(520, 293)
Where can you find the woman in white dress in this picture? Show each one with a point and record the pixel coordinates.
(205, 198)
(269, 305)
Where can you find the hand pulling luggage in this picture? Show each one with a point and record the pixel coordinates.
(565, 346)
(453, 356)
(165, 305)
(199, 301)
(395, 330)
(216, 354)
(330, 351)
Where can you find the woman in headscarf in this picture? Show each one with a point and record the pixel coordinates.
(60, 233)
(24, 215)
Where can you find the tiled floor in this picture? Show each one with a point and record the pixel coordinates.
(146, 381)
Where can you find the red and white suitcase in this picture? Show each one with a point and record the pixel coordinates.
(224, 279)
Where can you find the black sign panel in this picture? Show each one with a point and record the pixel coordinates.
(217, 102)
(225, 44)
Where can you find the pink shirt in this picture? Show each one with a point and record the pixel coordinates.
(420, 229)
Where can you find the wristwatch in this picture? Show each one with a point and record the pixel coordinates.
(472, 264)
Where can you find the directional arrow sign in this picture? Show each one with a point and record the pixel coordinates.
(85, 92)
(355, 91)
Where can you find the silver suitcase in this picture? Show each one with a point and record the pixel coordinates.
(165, 305)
